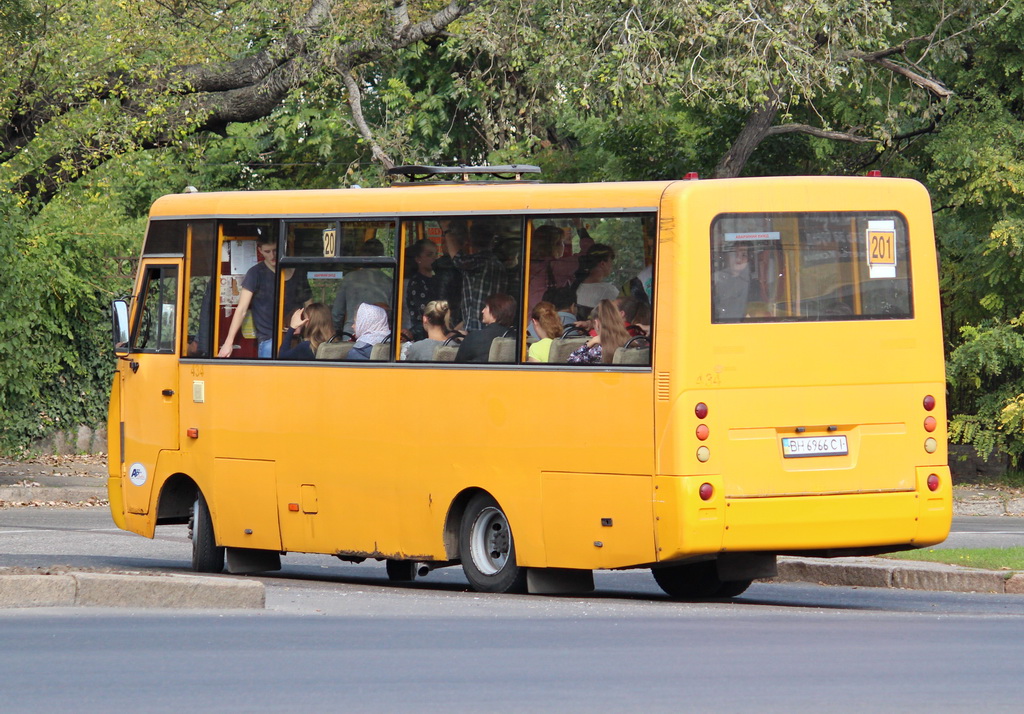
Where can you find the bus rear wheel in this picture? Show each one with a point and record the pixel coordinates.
(207, 556)
(488, 549)
(697, 581)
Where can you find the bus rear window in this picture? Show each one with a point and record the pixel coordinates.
(805, 267)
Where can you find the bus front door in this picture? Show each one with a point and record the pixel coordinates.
(149, 384)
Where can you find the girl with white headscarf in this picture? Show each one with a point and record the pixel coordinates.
(370, 328)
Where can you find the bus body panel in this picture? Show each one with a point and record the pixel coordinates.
(335, 437)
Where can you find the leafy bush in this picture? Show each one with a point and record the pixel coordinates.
(57, 282)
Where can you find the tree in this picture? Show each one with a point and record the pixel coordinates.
(145, 75)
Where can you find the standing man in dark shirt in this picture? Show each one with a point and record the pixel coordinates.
(258, 291)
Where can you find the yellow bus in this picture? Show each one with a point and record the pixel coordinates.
(780, 389)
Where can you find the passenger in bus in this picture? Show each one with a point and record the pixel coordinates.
(363, 285)
(564, 300)
(257, 293)
(482, 274)
(732, 284)
(552, 262)
(611, 335)
(498, 317)
(641, 286)
(313, 325)
(447, 276)
(370, 328)
(636, 315)
(436, 324)
(546, 324)
(419, 286)
(591, 286)
(508, 251)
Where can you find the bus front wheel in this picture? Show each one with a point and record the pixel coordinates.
(697, 581)
(488, 550)
(207, 556)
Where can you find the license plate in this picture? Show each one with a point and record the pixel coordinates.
(796, 447)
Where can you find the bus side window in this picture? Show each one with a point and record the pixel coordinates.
(200, 298)
(156, 321)
(576, 262)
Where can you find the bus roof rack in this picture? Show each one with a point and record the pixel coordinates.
(507, 172)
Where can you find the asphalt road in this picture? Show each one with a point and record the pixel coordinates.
(338, 637)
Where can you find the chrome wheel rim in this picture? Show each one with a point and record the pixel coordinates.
(490, 541)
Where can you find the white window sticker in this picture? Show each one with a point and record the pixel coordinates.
(762, 235)
(880, 247)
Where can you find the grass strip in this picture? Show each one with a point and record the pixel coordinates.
(985, 558)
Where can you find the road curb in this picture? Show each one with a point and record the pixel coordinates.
(908, 575)
(55, 494)
(88, 589)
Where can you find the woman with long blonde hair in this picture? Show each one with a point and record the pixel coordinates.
(314, 324)
(611, 335)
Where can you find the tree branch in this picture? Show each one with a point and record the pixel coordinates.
(927, 83)
(820, 133)
(356, 105)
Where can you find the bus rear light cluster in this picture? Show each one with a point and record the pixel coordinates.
(930, 424)
(700, 410)
(933, 482)
(706, 491)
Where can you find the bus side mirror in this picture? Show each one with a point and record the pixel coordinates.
(119, 324)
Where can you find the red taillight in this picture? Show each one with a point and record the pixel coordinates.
(707, 491)
(933, 482)
(691, 176)
(929, 403)
(874, 173)
(702, 432)
(929, 423)
(701, 410)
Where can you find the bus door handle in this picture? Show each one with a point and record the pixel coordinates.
(168, 392)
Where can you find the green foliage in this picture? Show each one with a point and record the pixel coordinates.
(58, 280)
(590, 90)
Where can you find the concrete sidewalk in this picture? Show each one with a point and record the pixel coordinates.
(82, 481)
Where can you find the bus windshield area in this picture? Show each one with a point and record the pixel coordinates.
(805, 267)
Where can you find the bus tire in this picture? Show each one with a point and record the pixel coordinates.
(488, 550)
(401, 571)
(732, 588)
(207, 556)
(693, 581)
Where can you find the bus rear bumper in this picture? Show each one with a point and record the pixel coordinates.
(807, 524)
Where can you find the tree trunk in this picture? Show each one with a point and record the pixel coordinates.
(759, 121)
